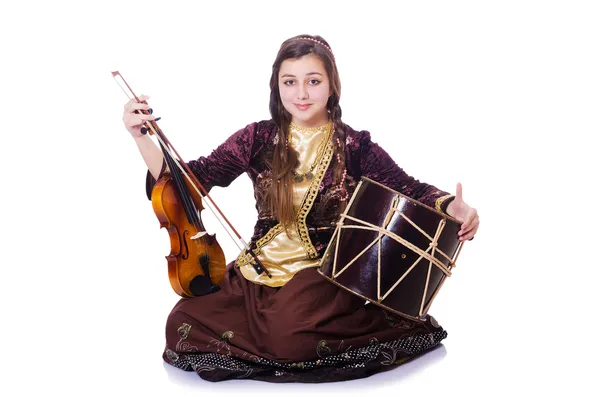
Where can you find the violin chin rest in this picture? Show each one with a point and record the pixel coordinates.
(201, 285)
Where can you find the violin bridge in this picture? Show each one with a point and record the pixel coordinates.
(198, 235)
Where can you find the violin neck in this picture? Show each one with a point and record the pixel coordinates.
(184, 195)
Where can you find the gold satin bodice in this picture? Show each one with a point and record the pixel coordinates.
(282, 256)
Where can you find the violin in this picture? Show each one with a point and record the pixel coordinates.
(196, 263)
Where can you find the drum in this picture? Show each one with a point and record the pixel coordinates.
(391, 250)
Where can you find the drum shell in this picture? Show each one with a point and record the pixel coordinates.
(371, 203)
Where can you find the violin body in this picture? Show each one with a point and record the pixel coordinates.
(193, 251)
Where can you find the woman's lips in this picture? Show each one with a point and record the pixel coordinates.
(302, 107)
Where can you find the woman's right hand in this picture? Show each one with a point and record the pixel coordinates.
(135, 121)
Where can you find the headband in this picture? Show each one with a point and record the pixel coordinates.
(318, 42)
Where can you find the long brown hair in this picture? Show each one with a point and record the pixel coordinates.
(285, 158)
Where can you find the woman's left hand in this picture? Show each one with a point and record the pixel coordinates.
(465, 214)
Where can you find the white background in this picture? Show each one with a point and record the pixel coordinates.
(501, 96)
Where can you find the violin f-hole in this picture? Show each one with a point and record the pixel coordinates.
(185, 249)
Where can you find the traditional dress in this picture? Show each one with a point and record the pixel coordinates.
(295, 326)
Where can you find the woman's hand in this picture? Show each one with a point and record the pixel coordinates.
(135, 121)
(465, 214)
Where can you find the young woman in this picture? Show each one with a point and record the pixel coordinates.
(304, 163)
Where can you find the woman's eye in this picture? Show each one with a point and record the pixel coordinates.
(310, 81)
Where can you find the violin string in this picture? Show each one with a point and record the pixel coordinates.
(206, 202)
(187, 202)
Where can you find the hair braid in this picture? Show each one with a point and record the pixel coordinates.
(339, 138)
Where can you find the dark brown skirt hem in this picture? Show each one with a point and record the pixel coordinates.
(352, 364)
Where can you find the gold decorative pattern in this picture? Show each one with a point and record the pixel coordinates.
(182, 345)
(299, 365)
(440, 201)
(171, 355)
(184, 330)
(245, 258)
(310, 197)
(401, 360)
(309, 130)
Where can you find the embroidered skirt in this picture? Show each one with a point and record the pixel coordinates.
(309, 330)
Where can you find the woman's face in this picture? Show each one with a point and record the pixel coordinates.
(304, 81)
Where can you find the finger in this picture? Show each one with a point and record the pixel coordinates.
(470, 228)
(466, 226)
(466, 237)
(138, 116)
(471, 215)
(146, 117)
(468, 223)
(458, 191)
(471, 234)
(139, 119)
(132, 101)
(131, 107)
(143, 98)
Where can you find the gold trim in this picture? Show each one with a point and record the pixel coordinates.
(440, 201)
(311, 195)
(309, 130)
(245, 258)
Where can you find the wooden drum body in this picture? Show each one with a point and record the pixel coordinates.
(391, 250)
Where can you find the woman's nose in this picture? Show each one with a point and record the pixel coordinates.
(302, 92)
